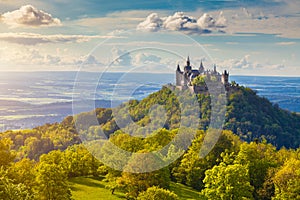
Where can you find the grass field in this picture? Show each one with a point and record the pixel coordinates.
(184, 192)
(87, 188)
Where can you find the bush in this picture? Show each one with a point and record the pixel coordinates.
(156, 193)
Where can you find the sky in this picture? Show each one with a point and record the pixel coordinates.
(245, 37)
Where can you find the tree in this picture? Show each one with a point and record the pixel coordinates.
(287, 181)
(35, 147)
(155, 193)
(6, 155)
(199, 80)
(11, 191)
(23, 172)
(134, 183)
(78, 161)
(230, 182)
(191, 170)
(259, 158)
(52, 182)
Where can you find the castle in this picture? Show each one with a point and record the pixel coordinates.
(184, 79)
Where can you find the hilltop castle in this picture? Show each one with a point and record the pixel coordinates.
(184, 79)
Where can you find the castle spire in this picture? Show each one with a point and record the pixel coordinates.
(201, 68)
(178, 68)
(188, 61)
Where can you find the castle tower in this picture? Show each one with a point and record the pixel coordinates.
(201, 68)
(188, 67)
(225, 77)
(178, 76)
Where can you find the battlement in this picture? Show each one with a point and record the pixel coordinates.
(190, 78)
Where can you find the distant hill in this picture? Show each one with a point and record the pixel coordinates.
(253, 117)
(248, 115)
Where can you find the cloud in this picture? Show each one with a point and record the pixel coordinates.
(33, 38)
(285, 43)
(146, 58)
(152, 23)
(87, 60)
(263, 20)
(221, 21)
(32, 57)
(29, 16)
(182, 22)
(246, 64)
(121, 57)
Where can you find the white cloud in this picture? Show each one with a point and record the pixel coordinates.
(152, 23)
(121, 57)
(285, 43)
(33, 38)
(32, 58)
(179, 21)
(245, 63)
(146, 58)
(206, 21)
(262, 20)
(182, 22)
(87, 60)
(221, 20)
(29, 16)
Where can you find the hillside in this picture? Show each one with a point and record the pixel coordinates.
(93, 189)
(49, 162)
(249, 116)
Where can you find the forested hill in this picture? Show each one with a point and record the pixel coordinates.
(37, 163)
(253, 117)
(248, 115)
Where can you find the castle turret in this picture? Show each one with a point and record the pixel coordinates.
(201, 68)
(178, 76)
(225, 77)
(188, 67)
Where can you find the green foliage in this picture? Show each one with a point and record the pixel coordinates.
(227, 182)
(156, 193)
(259, 159)
(37, 163)
(134, 183)
(52, 182)
(287, 180)
(253, 117)
(191, 170)
(199, 81)
(12, 191)
(78, 161)
(23, 172)
(6, 155)
(84, 188)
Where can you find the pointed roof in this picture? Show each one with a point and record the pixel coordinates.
(201, 66)
(178, 68)
(188, 61)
